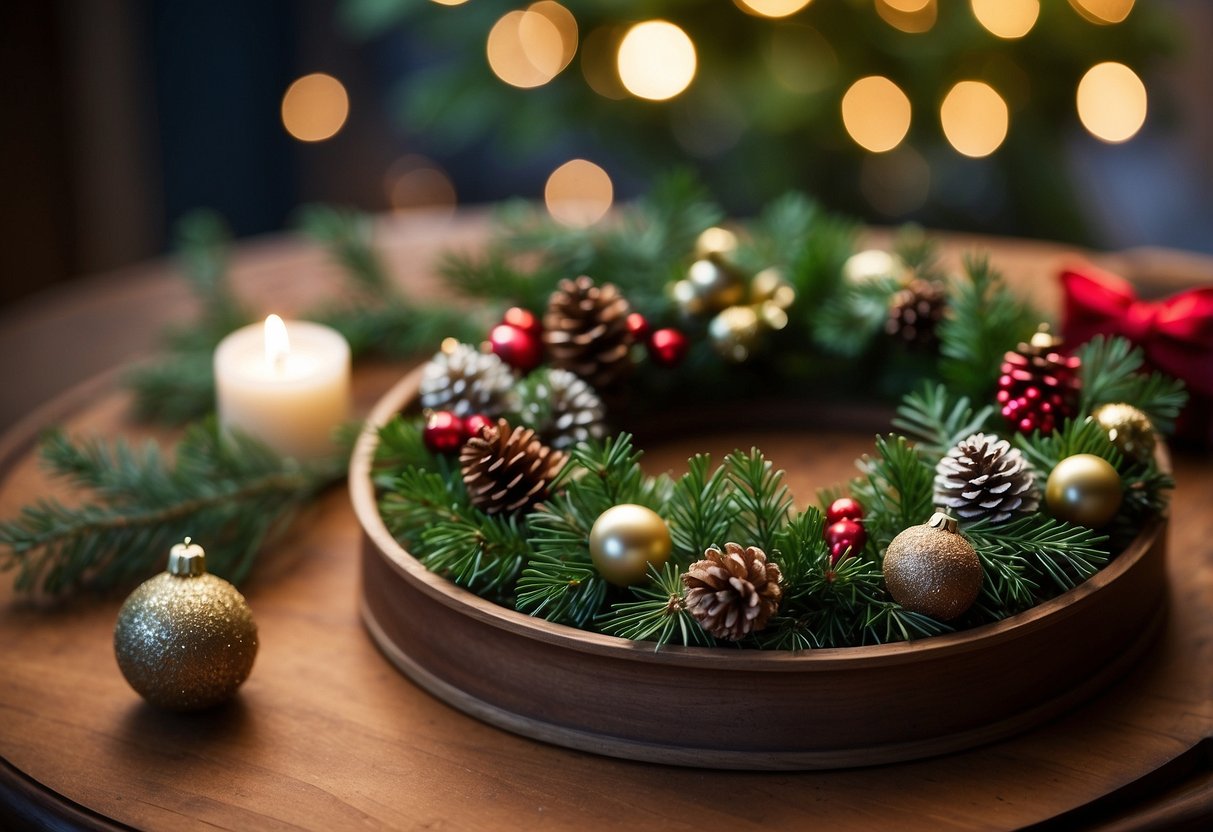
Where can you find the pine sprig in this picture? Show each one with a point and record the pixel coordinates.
(484, 554)
(896, 488)
(1109, 374)
(232, 492)
(937, 420)
(1075, 436)
(1060, 553)
(759, 498)
(659, 615)
(699, 511)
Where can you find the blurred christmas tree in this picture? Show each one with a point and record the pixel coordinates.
(954, 114)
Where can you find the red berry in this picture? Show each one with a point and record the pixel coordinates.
(444, 432)
(475, 423)
(668, 347)
(849, 532)
(520, 349)
(839, 549)
(524, 319)
(638, 326)
(844, 508)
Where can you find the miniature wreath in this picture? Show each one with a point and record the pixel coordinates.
(507, 479)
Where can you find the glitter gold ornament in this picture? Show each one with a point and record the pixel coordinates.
(1128, 428)
(1084, 489)
(185, 640)
(625, 540)
(735, 333)
(932, 570)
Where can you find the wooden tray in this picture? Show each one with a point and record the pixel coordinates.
(719, 708)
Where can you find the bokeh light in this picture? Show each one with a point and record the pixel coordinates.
(910, 16)
(1112, 102)
(315, 107)
(656, 60)
(895, 183)
(974, 118)
(876, 113)
(1007, 19)
(1103, 12)
(528, 48)
(450, 2)
(771, 8)
(415, 182)
(578, 193)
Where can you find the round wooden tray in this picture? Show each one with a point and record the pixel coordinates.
(719, 708)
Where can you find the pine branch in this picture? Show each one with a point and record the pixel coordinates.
(1052, 550)
(233, 494)
(759, 498)
(1075, 436)
(347, 235)
(699, 511)
(801, 548)
(659, 615)
(937, 420)
(1109, 374)
(484, 554)
(896, 488)
(849, 322)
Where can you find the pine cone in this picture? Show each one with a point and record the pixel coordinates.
(734, 592)
(983, 477)
(586, 331)
(564, 409)
(1038, 387)
(914, 312)
(464, 381)
(506, 470)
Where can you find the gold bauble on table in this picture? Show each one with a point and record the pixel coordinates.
(1128, 428)
(1084, 489)
(736, 332)
(625, 540)
(185, 640)
(931, 569)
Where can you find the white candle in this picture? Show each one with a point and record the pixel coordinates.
(286, 384)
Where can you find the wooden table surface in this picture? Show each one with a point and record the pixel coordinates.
(326, 735)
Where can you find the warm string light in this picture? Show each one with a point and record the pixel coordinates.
(1103, 12)
(911, 16)
(876, 113)
(771, 8)
(974, 118)
(529, 47)
(315, 107)
(1112, 102)
(578, 193)
(656, 60)
(1008, 19)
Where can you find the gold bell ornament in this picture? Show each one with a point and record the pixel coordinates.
(185, 640)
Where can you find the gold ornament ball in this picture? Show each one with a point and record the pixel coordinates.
(715, 241)
(185, 640)
(625, 540)
(1084, 489)
(717, 284)
(1128, 428)
(769, 286)
(735, 333)
(931, 569)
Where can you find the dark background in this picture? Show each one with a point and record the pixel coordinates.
(119, 117)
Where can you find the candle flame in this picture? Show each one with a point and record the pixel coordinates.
(277, 344)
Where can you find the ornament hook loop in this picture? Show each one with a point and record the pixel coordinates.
(187, 560)
(942, 520)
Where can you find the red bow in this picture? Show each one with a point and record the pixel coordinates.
(1175, 333)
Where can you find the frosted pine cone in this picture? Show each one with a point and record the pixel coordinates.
(734, 592)
(586, 332)
(564, 409)
(464, 381)
(508, 470)
(983, 477)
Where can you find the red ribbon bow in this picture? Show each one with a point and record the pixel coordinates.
(1175, 333)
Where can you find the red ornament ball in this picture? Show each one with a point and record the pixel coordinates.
(837, 550)
(444, 432)
(475, 423)
(637, 326)
(850, 532)
(844, 508)
(524, 319)
(520, 349)
(668, 347)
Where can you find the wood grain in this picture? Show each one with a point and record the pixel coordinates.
(327, 735)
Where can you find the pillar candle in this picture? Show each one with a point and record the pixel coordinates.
(286, 384)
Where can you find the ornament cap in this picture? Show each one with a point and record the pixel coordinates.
(187, 560)
(1044, 339)
(943, 520)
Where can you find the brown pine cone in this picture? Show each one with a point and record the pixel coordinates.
(734, 592)
(914, 312)
(506, 470)
(585, 329)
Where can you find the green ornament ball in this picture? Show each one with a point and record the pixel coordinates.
(626, 540)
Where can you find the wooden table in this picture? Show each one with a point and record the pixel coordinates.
(326, 735)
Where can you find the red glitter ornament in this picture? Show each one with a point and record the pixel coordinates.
(1038, 386)
(515, 346)
(668, 347)
(638, 326)
(472, 425)
(844, 508)
(444, 432)
(524, 319)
